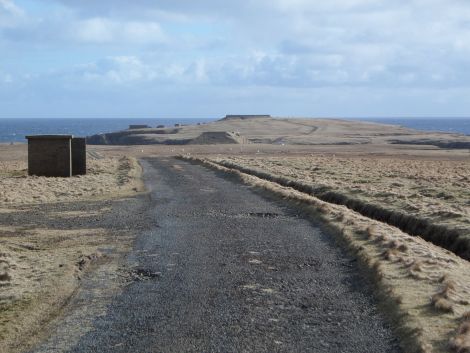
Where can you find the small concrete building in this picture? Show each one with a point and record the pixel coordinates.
(78, 156)
(56, 155)
(50, 155)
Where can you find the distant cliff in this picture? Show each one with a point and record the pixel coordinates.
(135, 137)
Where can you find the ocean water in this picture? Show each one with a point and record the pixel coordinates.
(14, 130)
(453, 125)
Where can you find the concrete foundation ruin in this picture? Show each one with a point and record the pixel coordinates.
(243, 117)
(56, 155)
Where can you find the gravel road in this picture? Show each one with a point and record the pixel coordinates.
(220, 268)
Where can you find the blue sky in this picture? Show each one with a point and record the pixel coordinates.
(208, 58)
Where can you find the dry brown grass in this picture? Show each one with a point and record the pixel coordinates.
(107, 177)
(461, 342)
(425, 198)
(406, 269)
(40, 268)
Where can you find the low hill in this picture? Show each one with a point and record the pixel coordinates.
(243, 129)
(217, 137)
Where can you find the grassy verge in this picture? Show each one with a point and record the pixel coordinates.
(455, 240)
(424, 289)
(45, 251)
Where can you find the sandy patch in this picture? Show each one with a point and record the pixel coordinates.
(13, 168)
(79, 214)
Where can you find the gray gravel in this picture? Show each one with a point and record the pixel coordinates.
(220, 268)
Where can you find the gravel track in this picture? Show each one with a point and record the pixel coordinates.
(220, 268)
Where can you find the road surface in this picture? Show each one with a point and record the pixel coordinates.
(221, 268)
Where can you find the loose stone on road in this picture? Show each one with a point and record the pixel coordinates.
(224, 269)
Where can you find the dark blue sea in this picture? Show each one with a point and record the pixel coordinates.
(14, 130)
(453, 125)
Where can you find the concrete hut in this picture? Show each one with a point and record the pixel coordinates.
(56, 155)
(78, 156)
(136, 127)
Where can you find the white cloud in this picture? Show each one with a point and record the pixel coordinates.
(126, 70)
(94, 30)
(10, 13)
(102, 30)
(300, 45)
(6, 78)
(10, 7)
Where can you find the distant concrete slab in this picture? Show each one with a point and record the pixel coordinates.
(247, 116)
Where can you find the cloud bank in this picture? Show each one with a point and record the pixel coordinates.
(294, 57)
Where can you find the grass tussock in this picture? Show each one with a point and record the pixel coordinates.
(441, 303)
(371, 232)
(461, 342)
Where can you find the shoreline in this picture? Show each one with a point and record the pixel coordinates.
(434, 125)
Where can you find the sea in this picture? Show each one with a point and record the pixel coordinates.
(15, 130)
(451, 125)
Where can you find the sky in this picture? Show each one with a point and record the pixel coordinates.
(208, 58)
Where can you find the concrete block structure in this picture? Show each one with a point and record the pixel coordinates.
(78, 156)
(134, 127)
(56, 155)
(251, 116)
(50, 155)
